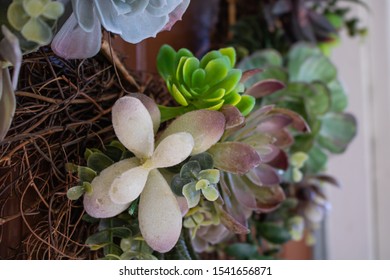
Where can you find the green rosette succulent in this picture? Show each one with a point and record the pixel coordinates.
(34, 21)
(208, 83)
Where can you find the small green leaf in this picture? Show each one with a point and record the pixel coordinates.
(16, 15)
(201, 184)
(166, 61)
(178, 96)
(114, 153)
(190, 170)
(205, 160)
(210, 193)
(274, 233)
(217, 70)
(209, 57)
(99, 162)
(230, 53)
(198, 78)
(178, 183)
(211, 175)
(38, 31)
(75, 193)
(298, 159)
(86, 174)
(242, 251)
(317, 160)
(53, 10)
(191, 194)
(337, 131)
(246, 104)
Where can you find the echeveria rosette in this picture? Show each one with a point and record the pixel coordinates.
(133, 20)
(10, 54)
(118, 185)
(208, 83)
(254, 179)
(34, 20)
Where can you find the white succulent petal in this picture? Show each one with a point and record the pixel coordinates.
(173, 150)
(108, 15)
(152, 107)
(136, 28)
(133, 126)
(137, 6)
(128, 185)
(160, 8)
(98, 203)
(88, 43)
(85, 14)
(159, 215)
(122, 7)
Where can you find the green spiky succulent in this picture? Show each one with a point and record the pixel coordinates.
(34, 19)
(208, 83)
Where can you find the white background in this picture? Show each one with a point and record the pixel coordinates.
(358, 226)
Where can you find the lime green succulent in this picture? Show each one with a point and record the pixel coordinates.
(208, 83)
(34, 19)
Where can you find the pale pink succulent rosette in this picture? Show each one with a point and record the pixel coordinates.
(135, 121)
(133, 20)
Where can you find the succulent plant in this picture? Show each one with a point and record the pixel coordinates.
(197, 177)
(208, 83)
(34, 19)
(134, 21)
(280, 23)
(10, 54)
(116, 186)
(313, 91)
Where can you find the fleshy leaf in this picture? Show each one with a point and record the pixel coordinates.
(128, 185)
(234, 157)
(337, 131)
(191, 194)
(210, 193)
(38, 31)
(268, 198)
(159, 215)
(75, 192)
(133, 126)
(233, 116)
(172, 150)
(232, 224)
(88, 43)
(190, 170)
(246, 104)
(152, 108)
(206, 127)
(211, 175)
(264, 88)
(205, 160)
(98, 203)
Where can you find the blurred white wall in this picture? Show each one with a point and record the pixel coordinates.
(358, 226)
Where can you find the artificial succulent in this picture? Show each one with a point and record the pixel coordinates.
(312, 90)
(134, 21)
(10, 55)
(197, 177)
(208, 83)
(34, 21)
(115, 187)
